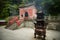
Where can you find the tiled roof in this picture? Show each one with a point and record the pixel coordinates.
(26, 5)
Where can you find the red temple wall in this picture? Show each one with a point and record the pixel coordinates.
(31, 12)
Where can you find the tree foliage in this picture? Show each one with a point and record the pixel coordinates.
(6, 4)
(54, 9)
(3, 9)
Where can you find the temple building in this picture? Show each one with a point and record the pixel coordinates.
(28, 10)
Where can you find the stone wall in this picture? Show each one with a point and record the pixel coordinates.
(53, 22)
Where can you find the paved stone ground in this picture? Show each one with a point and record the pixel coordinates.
(20, 34)
(25, 34)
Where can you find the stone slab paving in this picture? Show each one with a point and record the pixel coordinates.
(20, 34)
(25, 34)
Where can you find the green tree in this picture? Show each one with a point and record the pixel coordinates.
(54, 9)
(6, 4)
(2, 8)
